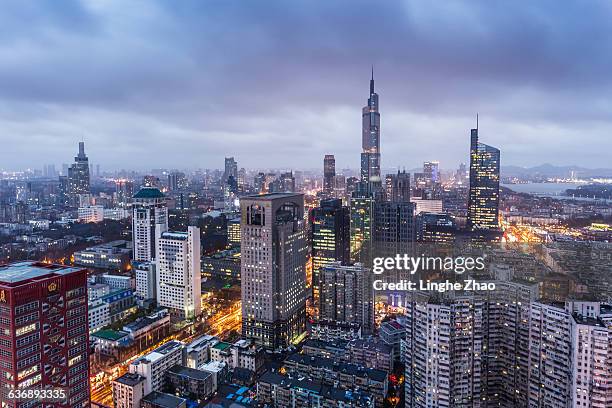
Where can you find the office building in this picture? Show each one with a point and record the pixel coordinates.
(483, 202)
(397, 187)
(426, 205)
(78, 176)
(178, 273)
(177, 181)
(362, 214)
(146, 280)
(431, 172)
(233, 231)
(231, 169)
(124, 191)
(43, 331)
(370, 156)
(273, 262)
(347, 295)
(435, 227)
(393, 231)
(149, 221)
(329, 174)
(330, 229)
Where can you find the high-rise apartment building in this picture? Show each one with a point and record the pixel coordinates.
(330, 229)
(347, 295)
(506, 349)
(273, 252)
(177, 181)
(370, 142)
(149, 221)
(44, 336)
(179, 277)
(329, 174)
(483, 202)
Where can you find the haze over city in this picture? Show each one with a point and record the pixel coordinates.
(150, 84)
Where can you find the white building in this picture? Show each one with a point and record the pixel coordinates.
(91, 213)
(423, 205)
(154, 365)
(149, 221)
(178, 273)
(146, 279)
(197, 352)
(116, 214)
(98, 313)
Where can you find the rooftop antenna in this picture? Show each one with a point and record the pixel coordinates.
(476, 122)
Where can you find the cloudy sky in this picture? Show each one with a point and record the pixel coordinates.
(151, 84)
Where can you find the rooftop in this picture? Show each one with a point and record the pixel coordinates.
(160, 352)
(130, 379)
(149, 192)
(164, 400)
(189, 372)
(111, 335)
(222, 346)
(27, 271)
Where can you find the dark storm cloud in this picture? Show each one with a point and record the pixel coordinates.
(275, 83)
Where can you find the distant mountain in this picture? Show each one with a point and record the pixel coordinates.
(549, 170)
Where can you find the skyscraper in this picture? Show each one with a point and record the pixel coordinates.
(329, 173)
(362, 213)
(397, 187)
(44, 336)
(231, 169)
(370, 156)
(274, 250)
(347, 295)
(78, 175)
(149, 220)
(331, 238)
(178, 273)
(483, 202)
(432, 172)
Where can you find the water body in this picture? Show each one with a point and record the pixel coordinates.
(556, 190)
(542, 189)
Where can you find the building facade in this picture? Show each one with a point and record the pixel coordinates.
(179, 278)
(273, 262)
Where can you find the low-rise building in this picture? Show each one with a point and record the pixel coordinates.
(128, 390)
(196, 384)
(161, 400)
(154, 365)
(284, 391)
(113, 255)
(391, 333)
(371, 354)
(345, 376)
(197, 352)
(91, 213)
(149, 330)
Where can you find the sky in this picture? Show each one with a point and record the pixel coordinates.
(279, 84)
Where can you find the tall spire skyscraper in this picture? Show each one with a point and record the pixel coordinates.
(370, 156)
(483, 202)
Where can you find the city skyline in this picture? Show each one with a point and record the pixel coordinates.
(147, 87)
